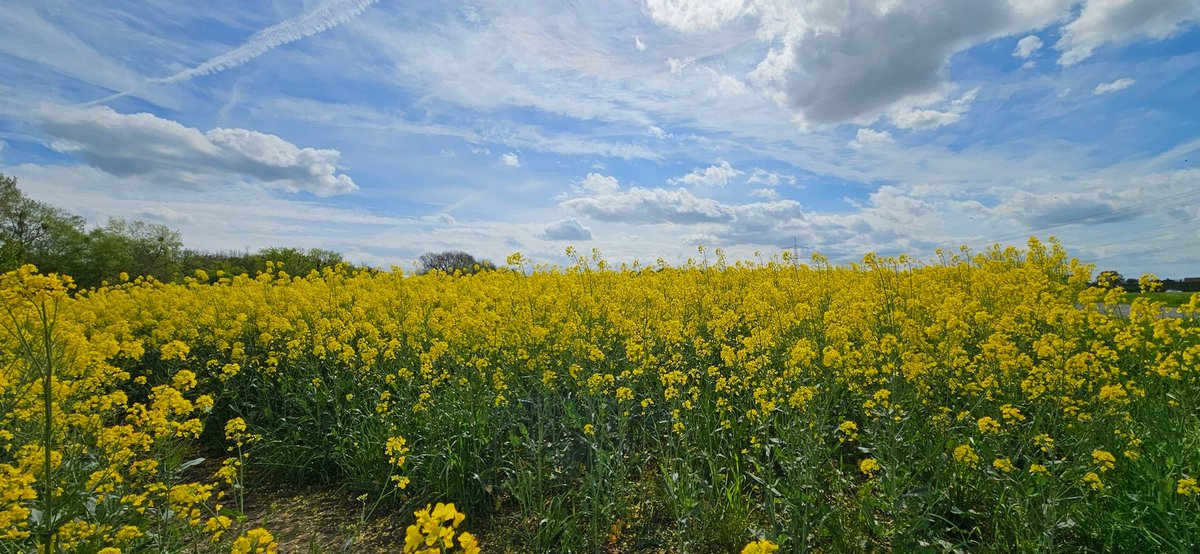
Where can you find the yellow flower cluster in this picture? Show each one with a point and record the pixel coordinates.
(435, 532)
(1187, 487)
(869, 466)
(761, 546)
(91, 457)
(966, 455)
(396, 449)
(255, 541)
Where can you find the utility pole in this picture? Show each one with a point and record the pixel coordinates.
(796, 246)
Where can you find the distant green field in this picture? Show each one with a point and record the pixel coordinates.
(1173, 299)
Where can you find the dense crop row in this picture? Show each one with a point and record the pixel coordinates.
(983, 402)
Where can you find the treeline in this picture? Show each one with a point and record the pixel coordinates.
(33, 232)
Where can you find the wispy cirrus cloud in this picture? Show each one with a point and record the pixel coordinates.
(1114, 86)
(326, 15)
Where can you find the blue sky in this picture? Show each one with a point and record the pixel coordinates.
(385, 129)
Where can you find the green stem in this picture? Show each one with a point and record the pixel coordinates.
(47, 432)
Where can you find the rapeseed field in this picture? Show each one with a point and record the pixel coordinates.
(982, 402)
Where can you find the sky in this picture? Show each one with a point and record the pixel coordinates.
(384, 129)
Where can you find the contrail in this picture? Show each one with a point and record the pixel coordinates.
(329, 14)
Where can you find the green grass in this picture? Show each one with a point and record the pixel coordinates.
(1172, 299)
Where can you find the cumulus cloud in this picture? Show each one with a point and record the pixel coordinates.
(922, 119)
(599, 184)
(764, 177)
(1104, 21)
(643, 206)
(1027, 46)
(510, 159)
(567, 229)
(1120, 84)
(769, 194)
(853, 65)
(657, 132)
(694, 15)
(731, 223)
(713, 176)
(637, 43)
(866, 137)
(146, 145)
(1041, 211)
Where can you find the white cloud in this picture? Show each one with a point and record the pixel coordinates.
(764, 177)
(567, 229)
(637, 43)
(694, 15)
(326, 15)
(842, 65)
(677, 65)
(165, 215)
(657, 132)
(713, 176)
(146, 145)
(29, 36)
(866, 137)
(822, 64)
(1027, 46)
(767, 193)
(1120, 84)
(443, 219)
(510, 159)
(643, 206)
(1104, 21)
(528, 136)
(727, 86)
(732, 223)
(599, 184)
(923, 119)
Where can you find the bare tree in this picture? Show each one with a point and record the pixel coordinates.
(451, 261)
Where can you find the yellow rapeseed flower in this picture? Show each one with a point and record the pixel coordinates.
(1187, 487)
(988, 425)
(869, 466)
(1103, 459)
(761, 546)
(1004, 464)
(966, 455)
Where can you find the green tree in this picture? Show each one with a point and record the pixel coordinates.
(38, 233)
(299, 261)
(132, 247)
